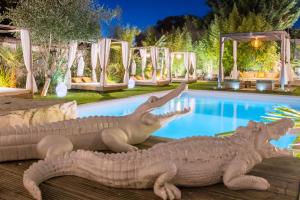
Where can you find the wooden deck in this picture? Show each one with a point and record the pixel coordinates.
(283, 174)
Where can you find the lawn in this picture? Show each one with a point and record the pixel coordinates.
(83, 97)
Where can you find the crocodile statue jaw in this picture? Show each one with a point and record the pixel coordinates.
(118, 134)
(185, 162)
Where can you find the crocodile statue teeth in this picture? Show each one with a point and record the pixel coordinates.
(93, 133)
(197, 161)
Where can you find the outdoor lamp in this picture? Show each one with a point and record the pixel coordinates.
(178, 56)
(61, 90)
(256, 43)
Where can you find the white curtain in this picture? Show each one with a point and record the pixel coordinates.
(186, 63)
(289, 70)
(125, 60)
(133, 67)
(193, 63)
(27, 56)
(167, 63)
(80, 65)
(234, 70)
(104, 50)
(94, 58)
(71, 58)
(143, 53)
(171, 65)
(154, 60)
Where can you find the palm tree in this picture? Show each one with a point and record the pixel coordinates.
(284, 112)
(11, 61)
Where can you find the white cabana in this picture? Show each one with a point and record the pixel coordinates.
(101, 51)
(159, 60)
(186, 62)
(257, 37)
(27, 57)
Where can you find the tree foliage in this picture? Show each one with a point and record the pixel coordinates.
(64, 20)
(280, 14)
(127, 33)
(189, 23)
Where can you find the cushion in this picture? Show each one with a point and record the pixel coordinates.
(137, 77)
(260, 75)
(86, 79)
(76, 80)
(242, 75)
(249, 74)
(272, 75)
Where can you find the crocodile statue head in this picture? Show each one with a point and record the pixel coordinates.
(149, 122)
(260, 135)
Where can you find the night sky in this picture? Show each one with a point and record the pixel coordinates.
(144, 13)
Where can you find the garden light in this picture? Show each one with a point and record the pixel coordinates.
(61, 90)
(131, 83)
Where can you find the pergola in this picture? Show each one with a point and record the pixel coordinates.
(27, 53)
(160, 61)
(189, 63)
(100, 51)
(281, 36)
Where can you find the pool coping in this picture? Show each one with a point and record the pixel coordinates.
(208, 93)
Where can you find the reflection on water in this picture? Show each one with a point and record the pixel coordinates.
(208, 116)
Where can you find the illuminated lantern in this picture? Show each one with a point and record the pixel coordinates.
(256, 43)
(61, 90)
(178, 56)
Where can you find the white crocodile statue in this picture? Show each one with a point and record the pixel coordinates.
(196, 161)
(118, 134)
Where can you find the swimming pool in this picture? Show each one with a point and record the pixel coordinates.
(212, 112)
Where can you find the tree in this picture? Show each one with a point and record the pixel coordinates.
(4, 6)
(280, 14)
(249, 58)
(59, 22)
(190, 23)
(127, 33)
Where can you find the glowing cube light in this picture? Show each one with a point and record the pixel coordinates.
(61, 90)
(131, 83)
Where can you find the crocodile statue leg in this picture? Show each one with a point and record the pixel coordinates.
(235, 177)
(53, 145)
(163, 186)
(117, 140)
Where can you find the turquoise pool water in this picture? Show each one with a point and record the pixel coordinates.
(211, 114)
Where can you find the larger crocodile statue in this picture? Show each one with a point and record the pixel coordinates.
(118, 134)
(196, 161)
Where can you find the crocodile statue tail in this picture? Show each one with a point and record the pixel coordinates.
(112, 170)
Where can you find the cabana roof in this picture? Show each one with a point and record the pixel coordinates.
(148, 47)
(266, 36)
(8, 29)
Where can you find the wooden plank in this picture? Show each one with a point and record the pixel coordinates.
(283, 174)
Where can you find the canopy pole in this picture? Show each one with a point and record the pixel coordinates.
(234, 71)
(282, 58)
(221, 70)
